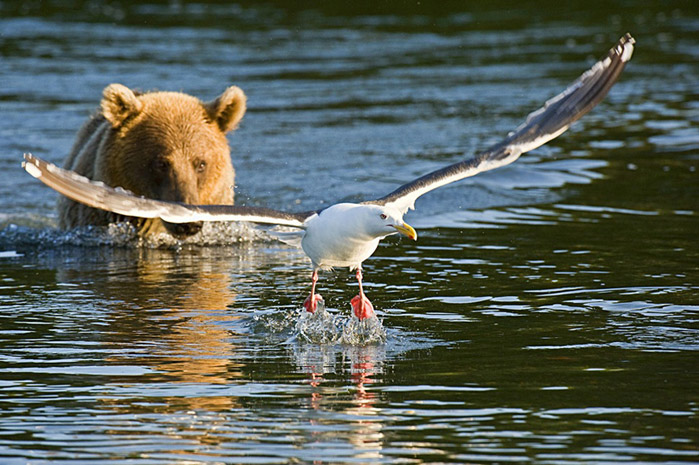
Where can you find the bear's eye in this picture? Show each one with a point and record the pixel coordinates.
(161, 165)
(200, 166)
(383, 216)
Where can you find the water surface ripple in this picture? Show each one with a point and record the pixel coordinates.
(548, 313)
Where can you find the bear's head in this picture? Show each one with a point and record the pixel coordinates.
(171, 146)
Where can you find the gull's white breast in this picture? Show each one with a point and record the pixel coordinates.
(337, 237)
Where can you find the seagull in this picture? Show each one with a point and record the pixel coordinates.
(346, 234)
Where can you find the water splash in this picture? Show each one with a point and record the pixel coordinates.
(273, 324)
(324, 327)
(42, 232)
(363, 332)
(320, 327)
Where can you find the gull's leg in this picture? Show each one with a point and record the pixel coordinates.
(360, 304)
(311, 302)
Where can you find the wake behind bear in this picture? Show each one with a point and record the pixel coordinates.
(161, 145)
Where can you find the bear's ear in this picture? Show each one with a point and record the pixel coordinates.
(227, 109)
(118, 103)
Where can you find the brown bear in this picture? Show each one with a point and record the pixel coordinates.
(162, 145)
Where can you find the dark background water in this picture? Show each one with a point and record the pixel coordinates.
(548, 313)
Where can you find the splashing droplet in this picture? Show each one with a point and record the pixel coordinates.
(363, 332)
(320, 327)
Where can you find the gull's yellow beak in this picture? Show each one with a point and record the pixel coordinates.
(406, 230)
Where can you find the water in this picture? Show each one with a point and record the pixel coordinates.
(547, 314)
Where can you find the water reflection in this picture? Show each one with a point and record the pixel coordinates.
(198, 345)
(364, 423)
(172, 328)
(172, 314)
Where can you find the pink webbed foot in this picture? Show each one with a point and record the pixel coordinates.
(311, 302)
(362, 307)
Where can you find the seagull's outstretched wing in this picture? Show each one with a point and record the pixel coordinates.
(541, 126)
(99, 195)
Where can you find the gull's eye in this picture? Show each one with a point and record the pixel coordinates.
(383, 216)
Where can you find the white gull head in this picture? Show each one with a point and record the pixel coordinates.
(346, 234)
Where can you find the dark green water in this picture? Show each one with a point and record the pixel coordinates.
(547, 314)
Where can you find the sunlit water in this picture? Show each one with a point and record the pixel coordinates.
(547, 314)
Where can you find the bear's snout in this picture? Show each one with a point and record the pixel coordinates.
(183, 230)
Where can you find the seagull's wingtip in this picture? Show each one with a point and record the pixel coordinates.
(626, 43)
